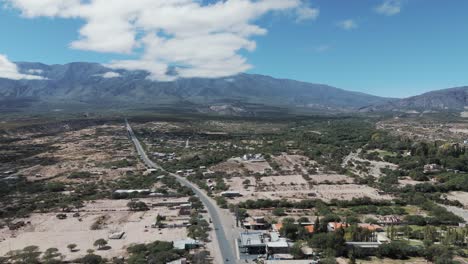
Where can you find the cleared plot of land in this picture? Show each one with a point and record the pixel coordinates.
(462, 197)
(300, 189)
(374, 166)
(92, 150)
(46, 230)
(347, 192)
(463, 213)
(237, 165)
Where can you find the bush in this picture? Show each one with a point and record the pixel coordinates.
(279, 212)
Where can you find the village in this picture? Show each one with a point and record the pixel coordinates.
(97, 197)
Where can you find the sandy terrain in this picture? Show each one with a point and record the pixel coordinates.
(463, 213)
(408, 181)
(292, 162)
(83, 150)
(347, 192)
(374, 168)
(237, 165)
(47, 231)
(462, 197)
(304, 191)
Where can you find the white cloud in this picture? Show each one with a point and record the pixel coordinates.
(193, 39)
(109, 75)
(389, 7)
(307, 13)
(348, 24)
(9, 70)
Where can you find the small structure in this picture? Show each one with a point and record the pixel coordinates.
(133, 191)
(253, 157)
(231, 194)
(187, 244)
(430, 168)
(117, 235)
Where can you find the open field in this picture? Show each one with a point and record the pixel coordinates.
(462, 197)
(46, 230)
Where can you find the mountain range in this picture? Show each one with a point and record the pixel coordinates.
(92, 84)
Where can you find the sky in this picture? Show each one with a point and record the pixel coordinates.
(394, 48)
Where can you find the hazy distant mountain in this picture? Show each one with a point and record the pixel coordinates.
(91, 83)
(447, 99)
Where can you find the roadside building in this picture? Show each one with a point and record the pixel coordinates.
(252, 243)
(282, 246)
(187, 244)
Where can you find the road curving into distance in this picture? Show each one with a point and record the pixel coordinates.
(227, 246)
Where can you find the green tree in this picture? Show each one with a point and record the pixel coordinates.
(72, 247)
(100, 243)
(52, 256)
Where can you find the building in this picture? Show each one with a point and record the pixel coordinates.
(430, 168)
(253, 157)
(281, 246)
(187, 244)
(252, 243)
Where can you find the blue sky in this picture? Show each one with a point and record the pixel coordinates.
(422, 47)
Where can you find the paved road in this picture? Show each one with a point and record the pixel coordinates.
(220, 221)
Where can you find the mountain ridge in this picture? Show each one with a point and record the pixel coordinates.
(89, 83)
(85, 82)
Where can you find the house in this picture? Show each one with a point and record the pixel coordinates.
(333, 226)
(252, 243)
(187, 244)
(282, 246)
